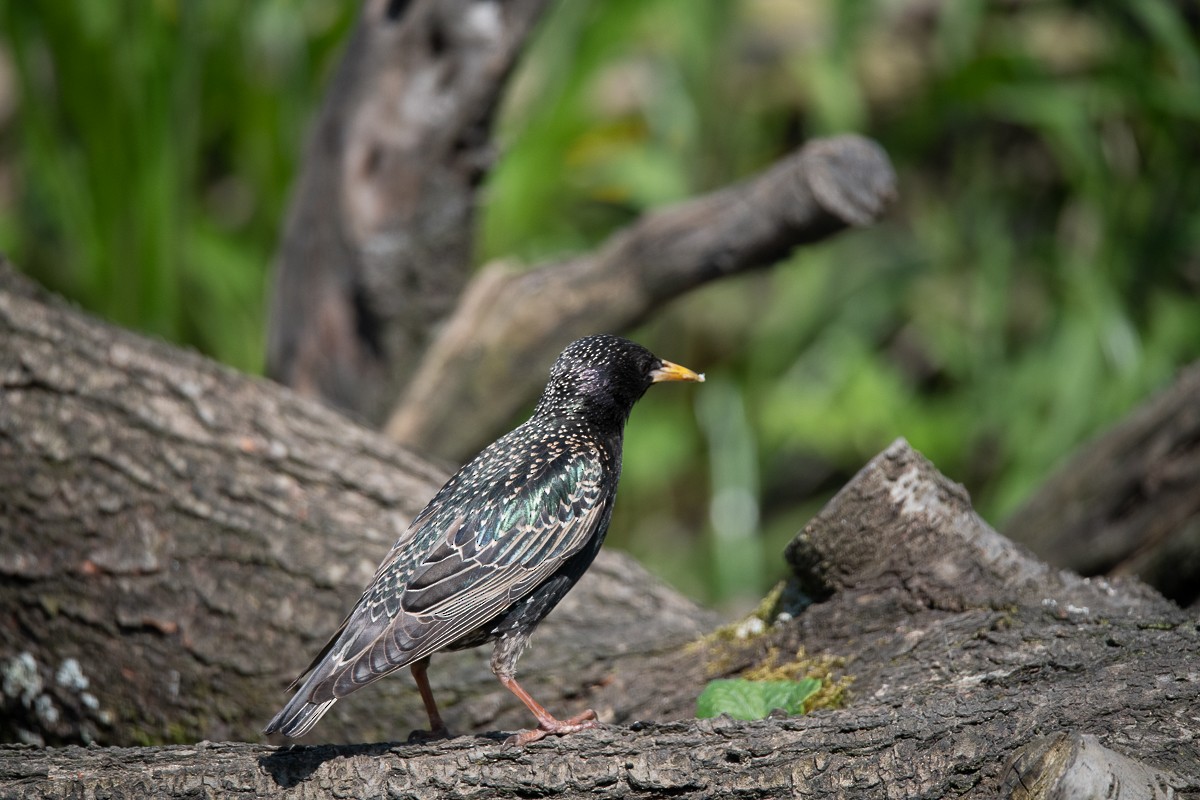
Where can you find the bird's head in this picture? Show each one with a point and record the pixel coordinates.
(603, 376)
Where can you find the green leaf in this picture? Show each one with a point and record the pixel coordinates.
(742, 699)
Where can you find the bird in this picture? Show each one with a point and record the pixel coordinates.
(498, 546)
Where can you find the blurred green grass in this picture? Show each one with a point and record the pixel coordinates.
(1037, 278)
(147, 154)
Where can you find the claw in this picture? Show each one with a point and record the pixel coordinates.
(546, 723)
(558, 727)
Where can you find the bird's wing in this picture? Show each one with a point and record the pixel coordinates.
(490, 554)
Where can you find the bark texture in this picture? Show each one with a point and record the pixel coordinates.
(1128, 502)
(377, 244)
(510, 319)
(187, 537)
(808, 757)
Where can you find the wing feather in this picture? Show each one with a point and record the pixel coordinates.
(480, 563)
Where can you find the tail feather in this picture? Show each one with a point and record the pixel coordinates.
(300, 714)
(298, 717)
(317, 689)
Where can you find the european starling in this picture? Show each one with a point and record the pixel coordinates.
(498, 546)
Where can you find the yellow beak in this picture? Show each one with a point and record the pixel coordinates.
(674, 372)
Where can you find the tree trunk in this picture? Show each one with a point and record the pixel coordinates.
(371, 308)
(1127, 502)
(377, 244)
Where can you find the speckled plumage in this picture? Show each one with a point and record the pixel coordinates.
(499, 545)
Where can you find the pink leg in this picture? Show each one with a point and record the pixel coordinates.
(546, 723)
(437, 728)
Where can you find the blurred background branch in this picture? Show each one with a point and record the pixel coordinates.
(1036, 280)
(378, 242)
(477, 374)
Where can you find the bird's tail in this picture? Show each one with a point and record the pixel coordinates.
(299, 716)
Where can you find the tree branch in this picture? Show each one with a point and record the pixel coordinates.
(509, 320)
(376, 249)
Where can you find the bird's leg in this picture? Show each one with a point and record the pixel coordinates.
(437, 728)
(546, 723)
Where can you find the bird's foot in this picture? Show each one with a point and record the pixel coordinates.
(424, 737)
(558, 727)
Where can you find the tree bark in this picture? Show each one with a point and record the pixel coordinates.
(1128, 503)
(814, 757)
(377, 244)
(978, 672)
(509, 319)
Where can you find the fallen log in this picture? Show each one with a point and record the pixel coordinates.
(187, 536)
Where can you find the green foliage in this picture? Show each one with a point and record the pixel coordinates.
(823, 678)
(1037, 278)
(152, 147)
(743, 699)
